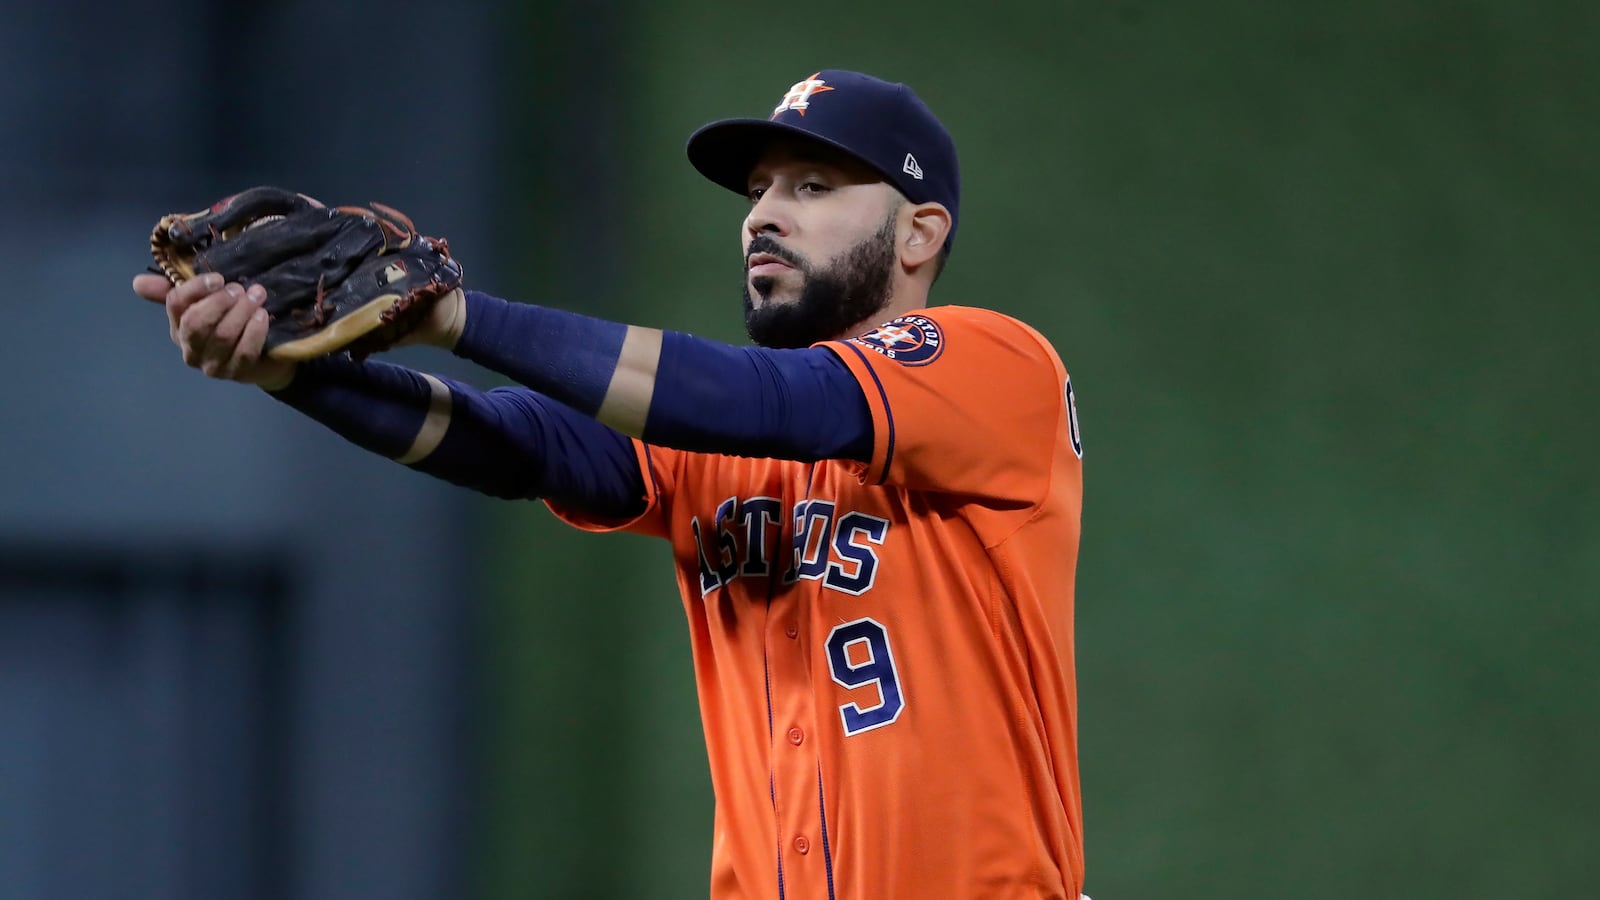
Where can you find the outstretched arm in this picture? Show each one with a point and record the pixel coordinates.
(670, 388)
(506, 442)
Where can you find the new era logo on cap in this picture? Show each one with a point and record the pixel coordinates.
(911, 168)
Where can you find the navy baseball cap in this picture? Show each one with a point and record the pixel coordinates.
(885, 125)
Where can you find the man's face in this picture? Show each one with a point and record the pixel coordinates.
(819, 246)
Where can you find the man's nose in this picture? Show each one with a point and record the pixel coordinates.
(768, 216)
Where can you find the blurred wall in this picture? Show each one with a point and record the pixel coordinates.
(233, 650)
(1322, 275)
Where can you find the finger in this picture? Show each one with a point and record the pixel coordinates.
(154, 288)
(197, 327)
(225, 337)
(247, 353)
(186, 295)
(192, 324)
(198, 287)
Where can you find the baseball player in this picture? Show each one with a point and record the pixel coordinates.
(874, 513)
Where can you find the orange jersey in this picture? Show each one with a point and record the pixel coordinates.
(884, 652)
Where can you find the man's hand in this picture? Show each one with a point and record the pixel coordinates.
(220, 328)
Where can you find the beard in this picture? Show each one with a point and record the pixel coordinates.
(850, 290)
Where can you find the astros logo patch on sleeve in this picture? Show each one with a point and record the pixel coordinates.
(909, 340)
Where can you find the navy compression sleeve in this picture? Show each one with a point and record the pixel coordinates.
(709, 396)
(505, 442)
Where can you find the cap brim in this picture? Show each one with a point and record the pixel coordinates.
(725, 151)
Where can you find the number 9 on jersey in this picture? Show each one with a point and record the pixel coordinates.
(859, 655)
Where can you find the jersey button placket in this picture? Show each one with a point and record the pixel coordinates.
(792, 693)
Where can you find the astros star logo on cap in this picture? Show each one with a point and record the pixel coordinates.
(799, 96)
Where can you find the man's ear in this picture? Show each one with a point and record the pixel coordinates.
(929, 226)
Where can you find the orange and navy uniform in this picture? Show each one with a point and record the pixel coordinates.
(883, 652)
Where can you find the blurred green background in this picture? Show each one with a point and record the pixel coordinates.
(1322, 274)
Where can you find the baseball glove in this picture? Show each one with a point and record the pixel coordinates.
(344, 278)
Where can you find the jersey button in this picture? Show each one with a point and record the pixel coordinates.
(796, 736)
(801, 845)
(792, 631)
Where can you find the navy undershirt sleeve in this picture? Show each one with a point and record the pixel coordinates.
(561, 354)
(709, 396)
(506, 442)
(750, 401)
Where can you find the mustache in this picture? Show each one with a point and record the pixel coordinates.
(764, 244)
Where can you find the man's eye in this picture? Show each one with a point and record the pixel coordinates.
(755, 194)
(814, 187)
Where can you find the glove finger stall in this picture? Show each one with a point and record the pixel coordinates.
(292, 258)
(228, 215)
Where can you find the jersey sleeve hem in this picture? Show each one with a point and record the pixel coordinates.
(876, 471)
(644, 522)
